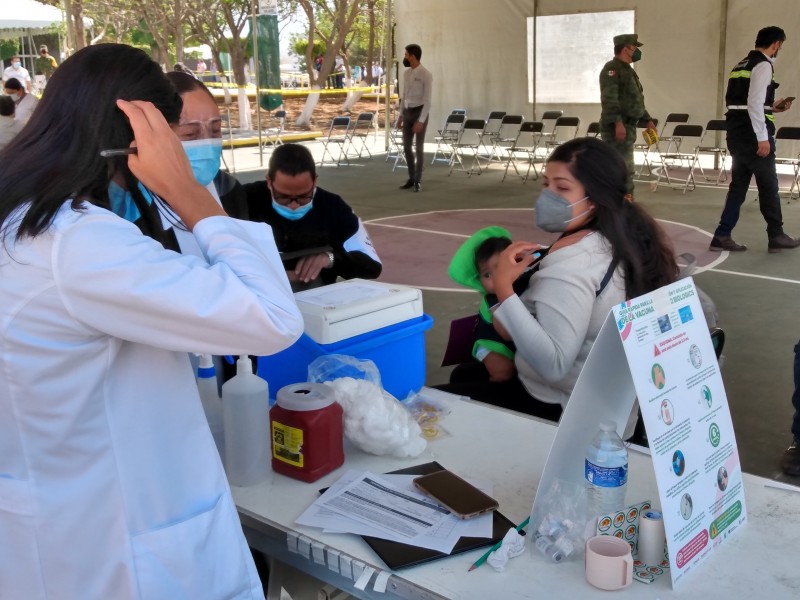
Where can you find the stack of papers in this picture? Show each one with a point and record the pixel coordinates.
(390, 507)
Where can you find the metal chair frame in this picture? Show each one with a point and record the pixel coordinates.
(469, 139)
(526, 144)
(673, 157)
(447, 136)
(339, 135)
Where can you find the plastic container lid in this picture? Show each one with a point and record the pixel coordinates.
(305, 396)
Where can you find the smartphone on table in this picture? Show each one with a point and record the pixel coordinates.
(462, 498)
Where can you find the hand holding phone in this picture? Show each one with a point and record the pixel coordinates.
(784, 103)
(451, 491)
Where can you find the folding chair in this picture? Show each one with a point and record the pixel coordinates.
(274, 133)
(673, 157)
(469, 140)
(593, 130)
(783, 137)
(338, 135)
(667, 135)
(643, 148)
(396, 145)
(717, 150)
(506, 135)
(448, 135)
(362, 127)
(525, 146)
(549, 118)
(459, 111)
(566, 128)
(493, 123)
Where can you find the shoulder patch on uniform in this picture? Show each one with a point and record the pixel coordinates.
(612, 73)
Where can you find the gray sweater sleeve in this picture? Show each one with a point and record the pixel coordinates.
(550, 321)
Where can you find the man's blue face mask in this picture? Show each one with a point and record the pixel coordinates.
(292, 215)
(204, 156)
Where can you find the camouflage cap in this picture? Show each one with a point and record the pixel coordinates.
(627, 39)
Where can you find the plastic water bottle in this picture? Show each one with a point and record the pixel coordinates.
(209, 396)
(245, 410)
(606, 471)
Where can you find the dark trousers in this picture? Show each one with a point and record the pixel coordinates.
(413, 160)
(747, 164)
(796, 395)
(472, 380)
(608, 133)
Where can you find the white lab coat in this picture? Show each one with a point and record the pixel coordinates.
(110, 482)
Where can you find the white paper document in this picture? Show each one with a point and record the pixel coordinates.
(388, 507)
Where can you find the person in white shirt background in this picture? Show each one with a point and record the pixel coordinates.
(110, 482)
(18, 72)
(25, 102)
(415, 104)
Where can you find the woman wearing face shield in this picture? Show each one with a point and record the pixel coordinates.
(609, 250)
(110, 482)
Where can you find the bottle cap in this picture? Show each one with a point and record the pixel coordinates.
(305, 396)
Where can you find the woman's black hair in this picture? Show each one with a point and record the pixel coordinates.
(57, 155)
(185, 83)
(488, 248)
(637, 241)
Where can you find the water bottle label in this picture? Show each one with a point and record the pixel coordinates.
(287, 444)
(610, 477)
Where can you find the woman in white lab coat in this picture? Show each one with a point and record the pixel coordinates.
(110, 483)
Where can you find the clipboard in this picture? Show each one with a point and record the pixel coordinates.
(397, 555)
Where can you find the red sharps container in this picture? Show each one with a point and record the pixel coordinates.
(306, 427)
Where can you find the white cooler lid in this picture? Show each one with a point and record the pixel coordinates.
(348, 308)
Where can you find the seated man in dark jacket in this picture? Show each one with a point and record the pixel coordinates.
(318, 234)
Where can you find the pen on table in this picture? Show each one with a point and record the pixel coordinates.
(118, 152)
(483, 558)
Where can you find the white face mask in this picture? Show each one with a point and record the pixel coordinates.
(15, 64)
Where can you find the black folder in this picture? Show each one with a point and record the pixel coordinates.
(397, 555)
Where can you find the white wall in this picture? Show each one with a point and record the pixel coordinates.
(477, 51)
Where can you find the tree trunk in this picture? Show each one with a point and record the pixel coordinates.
(352, 98)
(245, 120)
(304, 120)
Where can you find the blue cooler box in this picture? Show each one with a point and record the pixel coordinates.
(365, 319)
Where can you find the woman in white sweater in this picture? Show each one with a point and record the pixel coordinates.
(610, 250)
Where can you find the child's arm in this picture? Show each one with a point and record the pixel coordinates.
(500, 368)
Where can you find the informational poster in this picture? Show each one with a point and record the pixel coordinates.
(678, 382)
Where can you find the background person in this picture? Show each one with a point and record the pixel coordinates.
(18, 72)
(9, 126)
(112, 484)
(416, 106)
(610, 249)
(44, 65)
(622, 100)
(25, 103)
(750, 130)
(305, 218)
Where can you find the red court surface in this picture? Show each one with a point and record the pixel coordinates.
(416, 249)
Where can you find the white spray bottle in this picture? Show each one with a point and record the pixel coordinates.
(245, 408)
(209, 396)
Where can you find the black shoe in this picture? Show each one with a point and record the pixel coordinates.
(720, 243)
(790, 463)
(417, 187)
(407, 185)
(782, 242)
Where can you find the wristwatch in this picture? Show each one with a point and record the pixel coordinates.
(330, 258)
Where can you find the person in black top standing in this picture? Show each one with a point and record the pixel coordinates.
(317, 233)
(750, 100)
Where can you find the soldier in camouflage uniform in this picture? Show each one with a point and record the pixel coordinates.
(622, 100)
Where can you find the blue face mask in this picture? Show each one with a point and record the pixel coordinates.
(122, 203)
(204, 156)
(292, 215)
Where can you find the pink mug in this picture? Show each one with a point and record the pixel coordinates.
(609, 564)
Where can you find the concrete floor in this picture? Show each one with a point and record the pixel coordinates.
(755, 292)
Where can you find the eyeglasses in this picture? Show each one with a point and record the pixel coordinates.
(285, 199)
(199, 130)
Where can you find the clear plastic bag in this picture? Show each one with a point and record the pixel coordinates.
(429, 407)
(561, 532)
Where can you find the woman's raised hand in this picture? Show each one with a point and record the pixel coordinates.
(162, 166)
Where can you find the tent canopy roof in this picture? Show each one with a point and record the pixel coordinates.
(28, 16)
